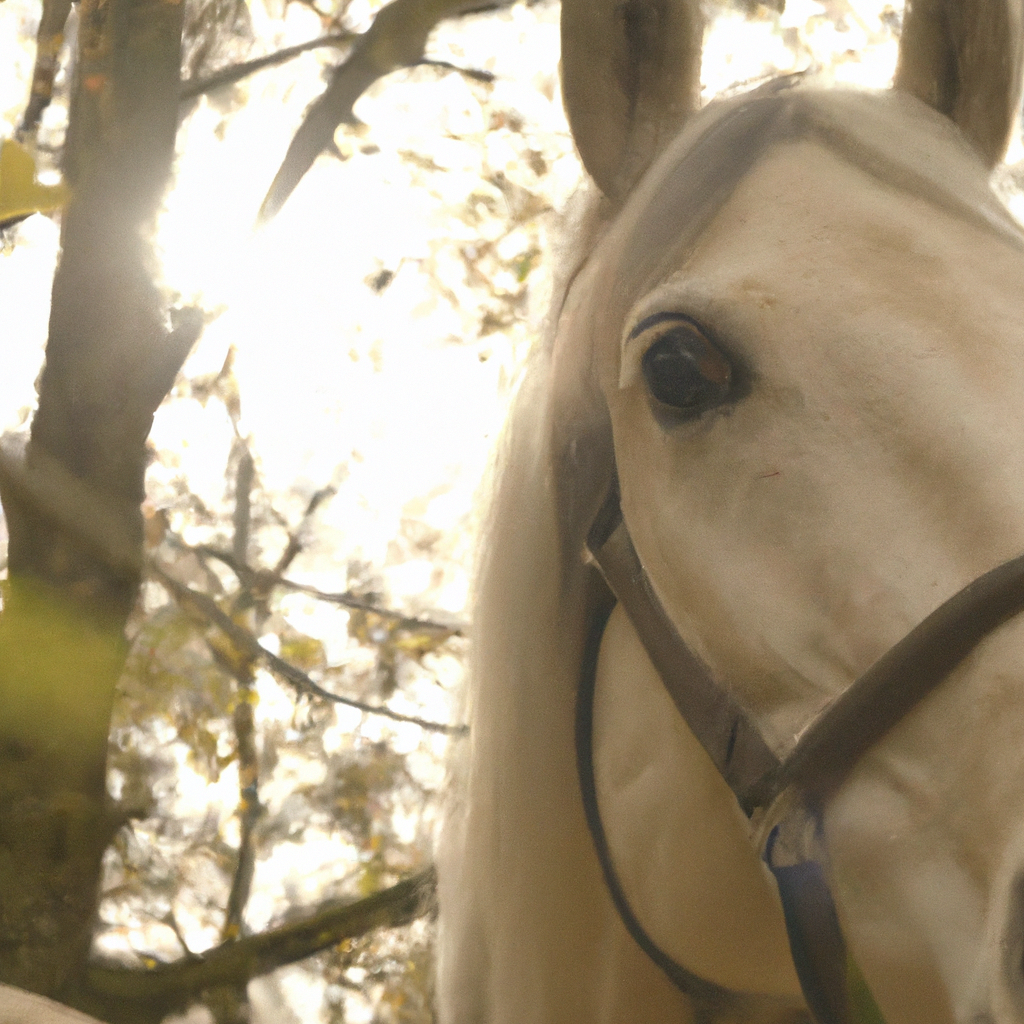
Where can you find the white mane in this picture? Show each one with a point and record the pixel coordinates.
(529, 629)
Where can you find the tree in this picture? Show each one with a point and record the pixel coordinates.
(72, 500)
(72, 497)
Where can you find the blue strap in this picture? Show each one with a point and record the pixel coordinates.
(815, 939)
(833, 986)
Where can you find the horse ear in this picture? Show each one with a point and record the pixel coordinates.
(630, 78)
(964, 58)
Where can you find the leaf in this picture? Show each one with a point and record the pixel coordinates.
(368, 628)
(862, 1003)
(304, 652)
(420, 642)
(20, 193)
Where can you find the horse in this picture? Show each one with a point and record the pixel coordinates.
(20, 1007)
(790, 353)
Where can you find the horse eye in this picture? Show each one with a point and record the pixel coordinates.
(686, 370)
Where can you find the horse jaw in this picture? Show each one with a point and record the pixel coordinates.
(873, 469)
(927, 853)
(999, 990)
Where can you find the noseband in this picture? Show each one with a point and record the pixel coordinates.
(823, 756)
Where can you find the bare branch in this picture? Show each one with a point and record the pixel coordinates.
(171, 921)
(249, 811)
(401, 620)
(260, 581)
(295, 536)
(206, 608)
(234, 963)
(49, 42)
(396, 39)
(243, 669)
(236, 72)
(477, 74)
(242, 520)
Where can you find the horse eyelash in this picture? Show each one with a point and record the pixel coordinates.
(632, 354)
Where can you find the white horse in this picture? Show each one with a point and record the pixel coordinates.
(796, 333)
(20, 1007)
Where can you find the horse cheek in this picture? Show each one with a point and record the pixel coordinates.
(910, 915)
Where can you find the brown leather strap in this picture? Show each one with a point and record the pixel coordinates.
(899, 680)
(851, 724)
(821, 759)
(712, 1001)
(686, 981)
(715, 718)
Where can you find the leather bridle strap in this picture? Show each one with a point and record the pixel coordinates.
(902, 677)
(713, 1001)
(843, 732)
(686, 981)
(723, 728)
(822, 757)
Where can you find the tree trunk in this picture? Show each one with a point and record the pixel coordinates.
(72, 496)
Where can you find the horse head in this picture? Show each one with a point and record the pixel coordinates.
(792, 348)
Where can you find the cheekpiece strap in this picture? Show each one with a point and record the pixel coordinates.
(720, 724)
(832, 984)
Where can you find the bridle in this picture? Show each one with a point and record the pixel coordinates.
(761, 781)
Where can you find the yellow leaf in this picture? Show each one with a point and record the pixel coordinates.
(368, 627)
(303, 652)
(20, 193)
(417, 644)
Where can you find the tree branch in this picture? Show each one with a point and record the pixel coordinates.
(236, 72)
(401, 620)
(244, 672)
(49, 41)
(260, 581)
(173, 986)
(396, 39)
(294, 545)
(206, 608)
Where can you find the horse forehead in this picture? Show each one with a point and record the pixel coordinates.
(803, 213)
(808, 242)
